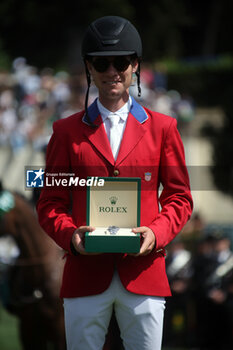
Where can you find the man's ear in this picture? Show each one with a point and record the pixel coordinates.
(135, 66)
(88, 65)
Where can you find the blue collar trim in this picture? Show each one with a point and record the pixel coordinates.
(136, 110)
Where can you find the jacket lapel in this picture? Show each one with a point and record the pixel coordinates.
(96, 133)
(134, 131)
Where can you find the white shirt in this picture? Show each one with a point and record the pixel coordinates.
(122, 113)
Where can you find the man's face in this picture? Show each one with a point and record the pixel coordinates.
(112, 75)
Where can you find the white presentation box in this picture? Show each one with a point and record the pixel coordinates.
(114, 209)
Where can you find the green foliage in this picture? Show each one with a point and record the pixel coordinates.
(195, 65)
(208, 81)
(101, 8)
(46, 32)
(160, 23)
(5, 62)
(9, 339)
(221, 140)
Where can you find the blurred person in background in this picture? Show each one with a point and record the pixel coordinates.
(178, 320)
(8, 116)
(212, 284)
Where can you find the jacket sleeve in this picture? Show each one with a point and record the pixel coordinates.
(54, 202)
(175, 199)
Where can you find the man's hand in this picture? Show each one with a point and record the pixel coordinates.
(78, 239)
(148, 240)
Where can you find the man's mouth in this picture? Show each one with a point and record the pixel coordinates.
(112, 82)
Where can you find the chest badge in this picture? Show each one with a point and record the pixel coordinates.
(147, 176)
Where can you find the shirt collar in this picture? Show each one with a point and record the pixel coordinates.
(136, 110)
(122, 112)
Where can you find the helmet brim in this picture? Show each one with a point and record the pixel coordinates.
(110, 53)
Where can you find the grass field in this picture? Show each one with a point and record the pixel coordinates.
(9, 339)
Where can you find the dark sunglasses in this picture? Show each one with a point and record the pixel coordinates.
(120, 63)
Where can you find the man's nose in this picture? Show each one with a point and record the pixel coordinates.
(111, 68)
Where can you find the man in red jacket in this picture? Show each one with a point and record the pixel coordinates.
(147, 145)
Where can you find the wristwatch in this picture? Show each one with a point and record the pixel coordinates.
(112, 230)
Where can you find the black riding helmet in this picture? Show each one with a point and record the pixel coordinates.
(111, 36)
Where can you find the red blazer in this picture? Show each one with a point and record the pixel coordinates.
(150, 144)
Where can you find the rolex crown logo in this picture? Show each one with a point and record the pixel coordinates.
(113, 200)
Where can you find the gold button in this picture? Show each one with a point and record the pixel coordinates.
(116, 172)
